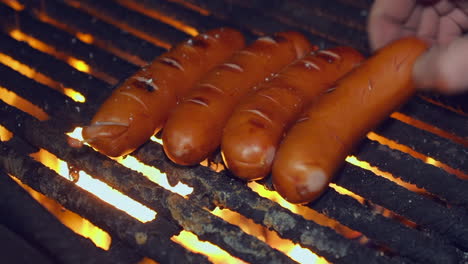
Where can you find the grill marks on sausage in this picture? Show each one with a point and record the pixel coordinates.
(199, 100)
(260, 114)
(327, 55)
(171, 62)
(136, 99)
(145, 83)
(311, 65)
(232, 67)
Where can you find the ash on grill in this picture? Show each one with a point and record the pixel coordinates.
(51, 51)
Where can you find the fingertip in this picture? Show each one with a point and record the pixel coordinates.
(443, 69)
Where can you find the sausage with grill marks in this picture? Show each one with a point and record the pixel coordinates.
(193, 130)
(316, 146)
(139, 106)
(254, 130)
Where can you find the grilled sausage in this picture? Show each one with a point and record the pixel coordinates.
(140, 105)
(194, 129)
(317, 145)
(253, 132)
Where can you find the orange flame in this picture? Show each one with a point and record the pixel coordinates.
(294, 251)
(430, 128)
(73, 221)
(306, 212)
(24, 105)
(75, 63)
(39, 77)
(365, 165)
(5, 134)
(161, 17)
(13, 4)
(119, 24)
(214, 253)
(98, 188)
(394, 145)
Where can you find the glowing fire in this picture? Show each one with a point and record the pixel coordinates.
(86, 38)
(294, 251)
(161, 17)
(119, 24)
(306, 212)
(24, 105)
(214, 253)
(73, 221)
(100, 189)
(78, 64)
(39, 77)
(430, 128)
(5, 134)
(365, 165)
(74, 62)
(394, 145)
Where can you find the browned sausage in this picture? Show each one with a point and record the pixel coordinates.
(253, 132)
(317, 145)
(194, 129)
(139, 106)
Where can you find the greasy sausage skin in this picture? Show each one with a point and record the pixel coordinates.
(140, 105)
(194, 128)
(318, 143)
(254, 130)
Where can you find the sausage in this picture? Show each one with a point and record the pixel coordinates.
(139, 106)
(194, 129)
(253, 132)
(318, 143)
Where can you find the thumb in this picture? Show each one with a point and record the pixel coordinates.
(443, 68)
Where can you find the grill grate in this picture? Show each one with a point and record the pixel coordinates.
(124, 39)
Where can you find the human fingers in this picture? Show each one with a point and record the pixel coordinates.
(387, 19)
(443, 68)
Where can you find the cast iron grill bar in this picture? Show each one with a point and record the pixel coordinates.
(97, 58)
(331, 242)
(136, 186)
(456, 102)
(57, 70)
(121, 76)
(85, 23)
(221, 189)
(437, 116)
(250, 19)
(305, 17)
(433, 179)
(400, 239)
(57, 241)
(188, 17)
(441, 149)
(345, 14)
(135, 20)
(150, 239)
(451, 223)
(54, 104)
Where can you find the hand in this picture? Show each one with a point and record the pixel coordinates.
(440, 22)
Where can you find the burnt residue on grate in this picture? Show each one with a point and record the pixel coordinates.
(46, 233)
(150, 239)
(441, 225)
(138, 187)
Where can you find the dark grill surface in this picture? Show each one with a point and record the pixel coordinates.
(397, 225)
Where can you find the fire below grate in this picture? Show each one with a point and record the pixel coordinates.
(401, 199)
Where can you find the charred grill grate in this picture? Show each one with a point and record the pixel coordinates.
(439, 229)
